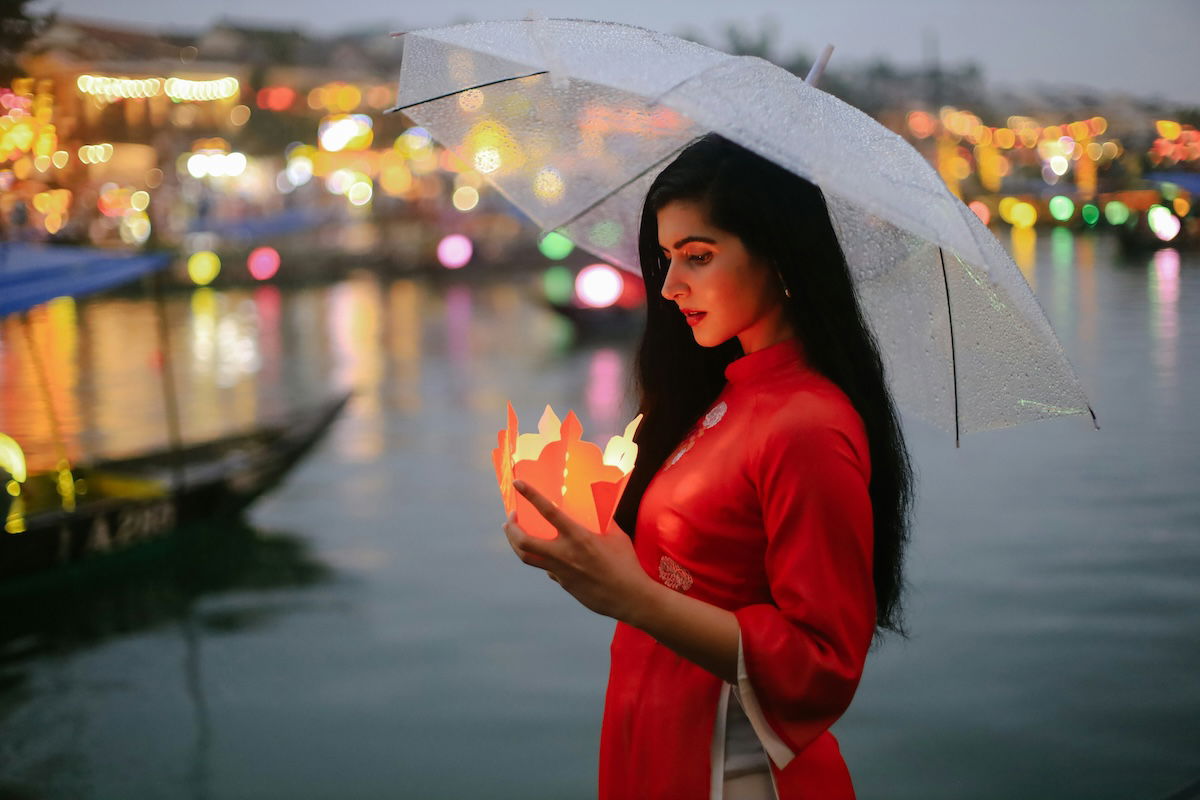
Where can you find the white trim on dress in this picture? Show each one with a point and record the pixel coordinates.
(776, 748)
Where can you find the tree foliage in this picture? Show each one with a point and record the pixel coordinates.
(17, 28)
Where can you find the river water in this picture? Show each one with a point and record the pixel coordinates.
(370, 635)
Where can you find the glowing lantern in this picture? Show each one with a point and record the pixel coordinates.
(586, 483)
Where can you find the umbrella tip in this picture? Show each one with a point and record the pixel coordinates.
(818, 67)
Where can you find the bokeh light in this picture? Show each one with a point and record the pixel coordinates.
(360, 192)
(1023, 215)
(981, 210)
(1005, 208)
(1090, 213)
(558, 284)
(1116, 212)
(548, 185)
(203, 267)
(487, 160)
(598, 285)
(555, 246)
(465, 198)
(1165, 225)
(454, 251)
(263, 263)
(606, 233)
(1062, 208)
(345, 132)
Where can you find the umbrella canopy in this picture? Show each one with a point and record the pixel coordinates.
(572, 120)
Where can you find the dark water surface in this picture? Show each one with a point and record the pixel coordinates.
(370, 634)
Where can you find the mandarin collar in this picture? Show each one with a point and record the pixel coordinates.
(766, 361)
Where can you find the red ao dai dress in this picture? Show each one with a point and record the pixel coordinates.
(763, 510)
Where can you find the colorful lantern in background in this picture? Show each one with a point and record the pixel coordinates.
(585, 483)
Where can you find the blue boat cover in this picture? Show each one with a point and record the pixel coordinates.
(289, 221)
(1186, 180)
(34, 273)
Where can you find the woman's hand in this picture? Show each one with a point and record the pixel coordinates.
(600, 570)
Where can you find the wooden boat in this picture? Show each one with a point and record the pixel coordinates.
(132, 502)
(74, 520)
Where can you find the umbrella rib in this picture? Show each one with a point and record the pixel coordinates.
(621, 186)
(394, 109)
(953, 353)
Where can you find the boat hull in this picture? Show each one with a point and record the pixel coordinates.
(219, 479)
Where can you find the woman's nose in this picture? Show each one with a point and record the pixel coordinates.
(673, 287)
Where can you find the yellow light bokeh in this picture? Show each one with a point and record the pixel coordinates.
(360, 192)
(395, 180)
(471, 100)
(548, 185)
(1005, 208)
(1168, 129)
(1023, 215)
(183, 89)
(465, 198)
(347, 97)
(203, 267)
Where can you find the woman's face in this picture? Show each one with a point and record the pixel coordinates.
(712, 273)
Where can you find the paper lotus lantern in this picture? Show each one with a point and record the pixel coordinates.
(584, 482)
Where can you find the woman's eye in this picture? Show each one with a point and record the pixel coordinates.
(700, 258)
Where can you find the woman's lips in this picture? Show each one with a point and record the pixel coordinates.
(694, 318)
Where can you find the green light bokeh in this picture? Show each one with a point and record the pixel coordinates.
(1061, 207)
(1116, 212)
(559, 285)
(555, 246)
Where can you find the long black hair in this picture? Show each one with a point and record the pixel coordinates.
(783, 222)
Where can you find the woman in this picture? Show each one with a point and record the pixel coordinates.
(769, 504)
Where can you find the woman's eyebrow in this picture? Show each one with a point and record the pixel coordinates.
(688, 239)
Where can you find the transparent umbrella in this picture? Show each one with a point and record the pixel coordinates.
(572, 120)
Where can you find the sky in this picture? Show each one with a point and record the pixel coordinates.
(1143, 47)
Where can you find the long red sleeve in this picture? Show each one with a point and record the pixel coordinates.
(804, 654)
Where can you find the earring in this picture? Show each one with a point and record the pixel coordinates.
(786, 291)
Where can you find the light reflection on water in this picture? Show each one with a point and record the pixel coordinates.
(1054, 607)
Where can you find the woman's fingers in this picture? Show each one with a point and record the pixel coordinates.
(527, 548)
(553, 514)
